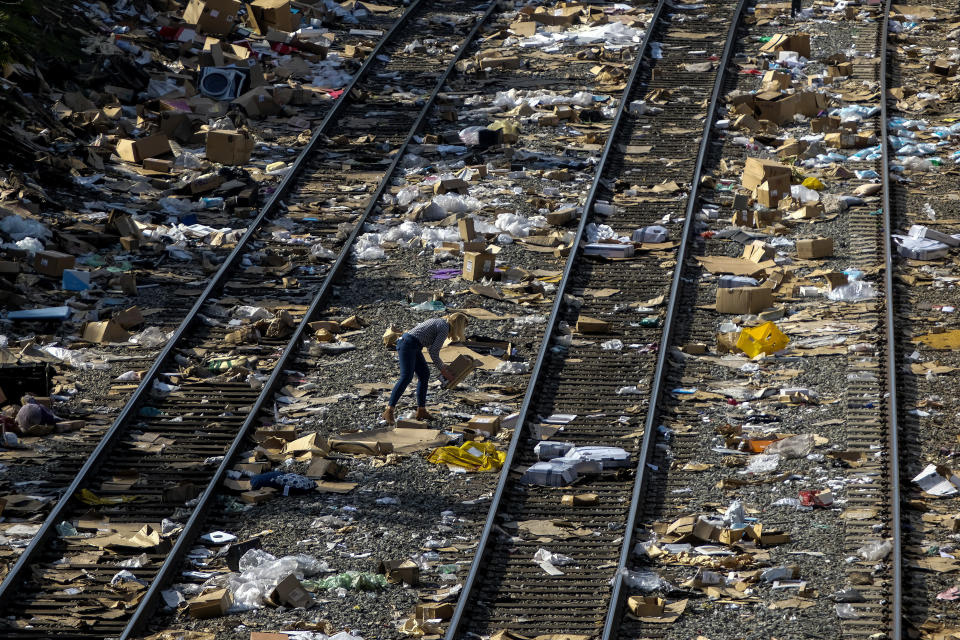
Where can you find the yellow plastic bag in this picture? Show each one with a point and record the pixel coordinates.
(472, 456)
(813, 183)
(766, 338)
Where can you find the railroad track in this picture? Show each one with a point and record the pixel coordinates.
(165, 297)
(922, 297)
(576, 376)
(183, 436)
(855, 419)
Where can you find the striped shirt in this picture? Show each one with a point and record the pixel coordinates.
(431, 334)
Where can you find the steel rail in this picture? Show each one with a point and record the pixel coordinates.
(479, 558)
(656, 392)
(192, 528)
(19, 573)
(896, 599)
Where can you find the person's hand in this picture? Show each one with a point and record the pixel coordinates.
(446, 373)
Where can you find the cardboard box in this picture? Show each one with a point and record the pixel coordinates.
(809, 211)
(461, 367)
(129, 317)
(157, 164)
(942, 67)
(592, 325)
(744, 300)
(211, 604)
(500, 62)
(140, 150)
(450, 184)
(216, 17)
(758, 170)
(811, 248)
(434, 611)
(488, 424)
(771, 191)
(477, 266)
(776, 80)
(274, 14)
(466, 229)
(560, 217)
(646, 606)
(229, 147)
(292, 593)
(257, 103)
(406, 571)
(104, 331)
(9, 268)
(758, 251)
(53, 263)
(799, 42)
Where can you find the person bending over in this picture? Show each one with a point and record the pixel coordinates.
(429, 335)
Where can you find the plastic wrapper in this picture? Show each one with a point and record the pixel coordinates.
(18, 228)
(351, 580)
(853, 292)
(763, 463)
(793, 447)
(875, 551)
(150, 338)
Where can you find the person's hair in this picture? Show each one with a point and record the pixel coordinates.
(458, 326)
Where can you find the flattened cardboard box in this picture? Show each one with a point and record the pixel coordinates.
(744, 300)
(461, 367)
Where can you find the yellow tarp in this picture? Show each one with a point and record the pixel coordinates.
(472, 456)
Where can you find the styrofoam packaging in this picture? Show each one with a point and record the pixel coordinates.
(609, 250)
(920, 248)
(547, 450)
(609, 457)
(653, 233)
(558, 472)
(921, 231)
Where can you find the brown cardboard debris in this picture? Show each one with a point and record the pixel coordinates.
(139, 150)
(477, 266)
(799, 42)
(744, 299)
(406, 571)
(812, 248)
(229, 147)
(592, 325)
(104, 331)
(53, 263)
(382, 441)
(290, 592)
(211, 604)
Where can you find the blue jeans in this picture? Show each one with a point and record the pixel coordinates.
(410, 352)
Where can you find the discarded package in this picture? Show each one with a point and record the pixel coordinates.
(744, 299)
(471, 456)
(766, 338)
